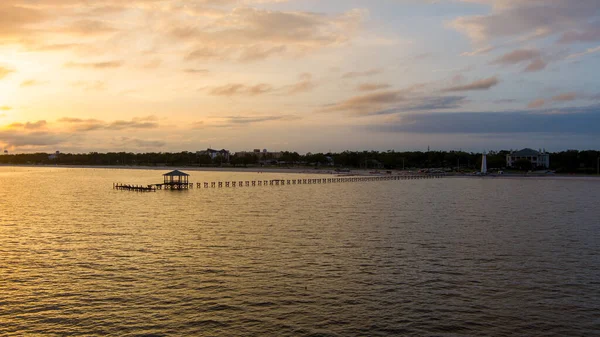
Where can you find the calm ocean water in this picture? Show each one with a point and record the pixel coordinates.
(446, 257)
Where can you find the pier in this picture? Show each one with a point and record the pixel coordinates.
(177, 180)
(134, 188)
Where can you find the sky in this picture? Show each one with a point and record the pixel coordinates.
(301, 75)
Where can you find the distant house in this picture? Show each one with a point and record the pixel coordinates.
(537, 158)
(54, 156)
(214, 154)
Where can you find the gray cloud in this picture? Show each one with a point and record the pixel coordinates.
(579, 121)
(519, 56)
(536, 65)
(425, 104)
(589, 33)
(18, 138)
(484, 84)
(528, 19)
(393, 102)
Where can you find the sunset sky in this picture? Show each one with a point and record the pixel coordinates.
(300, 75)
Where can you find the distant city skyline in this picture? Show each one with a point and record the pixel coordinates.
(299, 75)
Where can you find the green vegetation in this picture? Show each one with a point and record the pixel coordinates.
(571, 161)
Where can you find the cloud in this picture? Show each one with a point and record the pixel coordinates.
(532, 56)
(428, 103)
(15, 19)
(531, 19)
(87, 27)
(5, 72)
(366, 73)
(198, 125)
(83, 125)
(536, 65)
(585, 34)
(566, 97)
(5, 108)
(305, 84)
(95, 65)
(518, 56)
(484, 84)
(122, 125)
(235, 121)
(250, 34)
(372, 86)
(236, 89)
(30, 83)
(29, 125)
(562, 121)
(137, 143)
(538, 103)
(18, 138)
(587, 52)
(196, 71)
(369, 103)
(394, 101)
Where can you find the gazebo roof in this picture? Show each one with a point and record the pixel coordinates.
(176, 173)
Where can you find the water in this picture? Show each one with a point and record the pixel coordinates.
(446, 257)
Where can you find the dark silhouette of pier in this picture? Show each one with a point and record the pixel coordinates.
(272, 182)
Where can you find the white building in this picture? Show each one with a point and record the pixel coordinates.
(539, 158)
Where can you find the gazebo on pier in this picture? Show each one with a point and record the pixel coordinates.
(176, 180)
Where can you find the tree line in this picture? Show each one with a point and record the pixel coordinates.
(571, 161)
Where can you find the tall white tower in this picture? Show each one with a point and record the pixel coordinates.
(484, 163)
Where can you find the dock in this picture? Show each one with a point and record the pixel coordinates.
(134, 188)
(185, 185)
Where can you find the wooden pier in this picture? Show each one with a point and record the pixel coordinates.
(134, 188)
(185, 185)
(288, 182)
(177, 180)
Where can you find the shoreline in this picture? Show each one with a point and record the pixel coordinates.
(299, 170)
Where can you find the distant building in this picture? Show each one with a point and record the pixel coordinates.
(214, 154)
(537, 158)
(54, 156)
(5, 151)
(262, 154)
